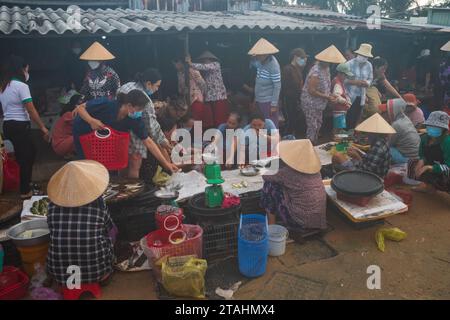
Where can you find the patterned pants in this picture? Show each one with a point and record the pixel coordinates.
(313, 123)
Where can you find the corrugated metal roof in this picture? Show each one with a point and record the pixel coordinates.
(39, 21)
(307, 12)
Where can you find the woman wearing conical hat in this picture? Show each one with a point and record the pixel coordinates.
(101, 80)
(378, 159)
(81, 230)
(268, 79)
(295, 193)
(316, 92)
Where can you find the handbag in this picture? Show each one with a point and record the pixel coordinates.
(11, 173)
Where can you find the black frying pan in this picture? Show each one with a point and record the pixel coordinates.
(357, 183)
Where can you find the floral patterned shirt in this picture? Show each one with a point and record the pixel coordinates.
(312, 102)
(212, 73)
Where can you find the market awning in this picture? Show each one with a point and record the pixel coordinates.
(42, 22)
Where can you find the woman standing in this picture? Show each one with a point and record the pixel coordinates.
(268, 79)
(316, 93)
(148, 82)
(291, 90)
(18, 110)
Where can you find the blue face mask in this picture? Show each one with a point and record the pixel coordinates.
(434, 132)
(135, 115)
(149, 92)
(301, 62)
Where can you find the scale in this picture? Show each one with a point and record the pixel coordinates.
(214, 193)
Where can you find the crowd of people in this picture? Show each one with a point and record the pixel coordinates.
(363, 101)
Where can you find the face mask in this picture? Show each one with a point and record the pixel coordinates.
(135, 115)
(149, 91)
(434, 132)
(301, 62)
(27, 76)
(76, 51)
(361, 59)
(93, 64)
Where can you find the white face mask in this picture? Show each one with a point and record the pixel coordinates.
(361, 59)
(93, 64)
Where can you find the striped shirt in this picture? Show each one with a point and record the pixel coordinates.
(13, 99)
(268, 82)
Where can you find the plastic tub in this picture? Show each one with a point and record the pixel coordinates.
(253, 245)
(32, 256)
(18, 290)
(277, 240)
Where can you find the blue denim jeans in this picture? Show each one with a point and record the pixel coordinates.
(397, 157)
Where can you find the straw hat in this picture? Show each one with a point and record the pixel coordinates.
(96, 52)
(375, 124)
(446, 47)
(365, 50)
(331, 55)
(300, 155)
(263, 47)
(207, 55)
(78, 183)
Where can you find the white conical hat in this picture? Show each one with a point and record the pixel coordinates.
(78, 183)
(96, 52)
(446, 47)
(263, 47)
(375, 124)
(300, 155)
(331, 55)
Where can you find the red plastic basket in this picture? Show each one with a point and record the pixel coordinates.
(158, 244)
(18, 290)
(111, 149)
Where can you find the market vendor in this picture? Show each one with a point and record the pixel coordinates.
(123, 114)
(148, 82)
(296, 194)
(414, 113)
(433, 168)
(81, 230)
(404, 144)
(377, 160)
(101, 80)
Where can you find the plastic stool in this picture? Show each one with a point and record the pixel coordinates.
(74, 294)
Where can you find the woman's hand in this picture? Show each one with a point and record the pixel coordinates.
(46, 134)
(353, 153)
(171, 167)
(420, 171)
(77, 109)
(96, 124)
(273, 110)
(332, 99)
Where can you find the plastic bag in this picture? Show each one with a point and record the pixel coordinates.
(160, 178)
(394, 234)
(184, 277)
(11, 173)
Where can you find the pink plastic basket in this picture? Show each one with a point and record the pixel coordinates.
(110, 149)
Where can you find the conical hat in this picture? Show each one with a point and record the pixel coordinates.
(300, 155)
(263, 47)
(331, 55)
(78, 183)
(207, 55)
(446, 47)
(375, 124)
(96, 52)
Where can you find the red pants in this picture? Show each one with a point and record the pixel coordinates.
(202, 112)
(220, 110)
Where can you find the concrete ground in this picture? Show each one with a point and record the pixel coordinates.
(415, 268)
(336, 266)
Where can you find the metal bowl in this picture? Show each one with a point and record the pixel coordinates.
(250, 171)
(167, 195)
(15, 232)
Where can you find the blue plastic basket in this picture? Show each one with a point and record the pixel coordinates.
(253, 245)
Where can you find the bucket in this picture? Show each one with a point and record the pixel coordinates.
(32, 256)
(339, 120)
(277, 240)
